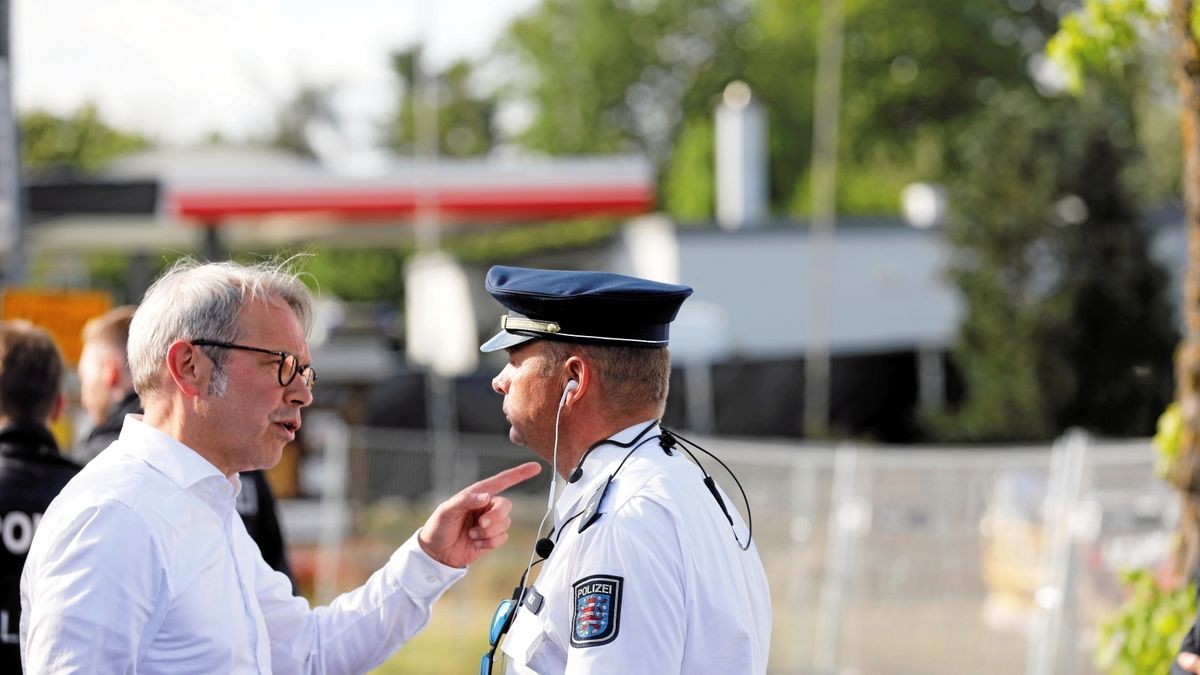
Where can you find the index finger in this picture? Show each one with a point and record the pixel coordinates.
(507, 478)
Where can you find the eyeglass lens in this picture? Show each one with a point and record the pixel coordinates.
(289, 368)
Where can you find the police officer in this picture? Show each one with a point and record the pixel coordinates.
(32, 472)
(107, 395)
(647, 567)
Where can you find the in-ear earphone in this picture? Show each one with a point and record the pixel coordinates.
(572, 385)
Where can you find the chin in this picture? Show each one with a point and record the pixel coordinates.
(273, 458)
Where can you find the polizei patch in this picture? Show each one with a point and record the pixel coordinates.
(597, 613)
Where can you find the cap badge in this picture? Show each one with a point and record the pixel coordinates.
(521, 323)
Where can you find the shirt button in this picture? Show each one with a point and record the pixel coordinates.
(431, 579)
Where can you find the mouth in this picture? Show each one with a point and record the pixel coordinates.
(289, 427)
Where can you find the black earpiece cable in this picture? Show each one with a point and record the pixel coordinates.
(577, 472)
(712, 487)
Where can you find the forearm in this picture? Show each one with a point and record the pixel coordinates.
(361, 628)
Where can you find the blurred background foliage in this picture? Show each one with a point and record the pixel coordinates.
(1145, 634)
(1054, 265)
(81, 142)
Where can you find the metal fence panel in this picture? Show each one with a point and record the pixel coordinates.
(916, 561)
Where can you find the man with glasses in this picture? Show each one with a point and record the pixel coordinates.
(646, 567)
(107, 396)
(140, 565)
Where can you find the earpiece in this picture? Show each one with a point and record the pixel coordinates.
(572, 385)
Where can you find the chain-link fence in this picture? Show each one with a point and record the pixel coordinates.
(897, 560)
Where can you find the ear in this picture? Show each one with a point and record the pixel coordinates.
(56, 410)
(112, 370)
(577, 369)
(188, 368)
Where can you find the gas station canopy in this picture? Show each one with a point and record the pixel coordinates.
(257, 198)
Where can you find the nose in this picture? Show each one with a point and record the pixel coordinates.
(500, 383)
(297, 393)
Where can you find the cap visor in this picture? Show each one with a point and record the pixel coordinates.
(504, 340)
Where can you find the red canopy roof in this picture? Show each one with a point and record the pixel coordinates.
(464, 192)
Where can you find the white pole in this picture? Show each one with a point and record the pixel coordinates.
(824, 219)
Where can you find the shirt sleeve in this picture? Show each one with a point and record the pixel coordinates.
(632, 564)
(95, 592)
(360, 628)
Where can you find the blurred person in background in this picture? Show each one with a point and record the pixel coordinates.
(646, 568)
(32, 472)
(107, 395)
(139, 564)
(1188, 660)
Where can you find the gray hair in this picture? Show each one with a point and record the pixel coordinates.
(201, 301)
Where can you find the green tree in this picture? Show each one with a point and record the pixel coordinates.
(689, 189)
(311, 104)
(1067, 323)
(1105, 39)
(609, 76)
(914, 73)
(81, 141)
(465, 117)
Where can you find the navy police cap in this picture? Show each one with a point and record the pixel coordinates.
(590, 307)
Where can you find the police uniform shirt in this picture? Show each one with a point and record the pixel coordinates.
(32, 473)
(142, 565)
(656, 585)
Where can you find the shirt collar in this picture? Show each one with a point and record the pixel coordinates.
(601, 462)
(28, 438)
(176, 461)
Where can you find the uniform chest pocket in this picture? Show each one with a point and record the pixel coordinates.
(527, 642)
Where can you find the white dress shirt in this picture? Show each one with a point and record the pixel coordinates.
(656, 585)
(143, 565)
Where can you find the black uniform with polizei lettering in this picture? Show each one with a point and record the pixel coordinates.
(32, 473)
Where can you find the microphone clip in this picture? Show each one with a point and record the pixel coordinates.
(667, 441)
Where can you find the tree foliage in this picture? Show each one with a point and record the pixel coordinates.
(465, 117)
(1096, 43)
(1067, 323)
(609, 76)
(81, 141)
(1143, 636)
(1102, 38)
(311, 104)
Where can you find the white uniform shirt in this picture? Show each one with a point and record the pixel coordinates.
(142, 565)
(656, 585)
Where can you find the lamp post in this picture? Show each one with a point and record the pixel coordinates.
(826, 107)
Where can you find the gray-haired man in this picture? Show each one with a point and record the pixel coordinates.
(141, 564)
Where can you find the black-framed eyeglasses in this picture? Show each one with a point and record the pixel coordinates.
(501, 621)
(289, 364)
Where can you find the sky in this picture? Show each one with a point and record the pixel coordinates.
(177, 70)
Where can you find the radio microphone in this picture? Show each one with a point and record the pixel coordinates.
(544, 547)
